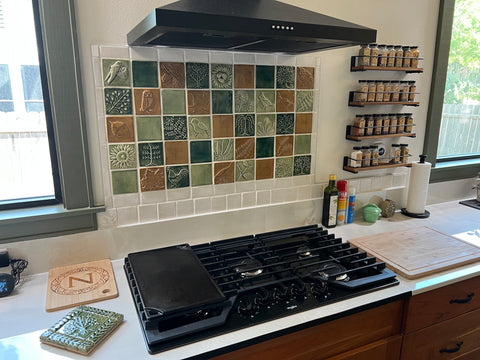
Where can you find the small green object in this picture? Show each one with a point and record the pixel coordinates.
(371, 212)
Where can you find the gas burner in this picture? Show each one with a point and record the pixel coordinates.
(248, 267)
(303, 252)
(330, 268)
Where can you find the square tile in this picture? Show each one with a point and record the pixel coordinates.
(122, 156)
(264, 147)
(302, 165)
(201, 174)
(152, 179)
(245, 125)
(118, 101)
(223, 149)
(124, 182)
(147, 101)
(222, 126)
(305, 77)
(176, 152)
(303, 123)
(116, 72)
(199, 127)
(224, 172)
(264, 77)
(145, 73)
(303, 144)
(222, 76)
(244, 101)
(245, 170)
(200, 151)
(285, 77)
(175, 127)
(244, 76)
(178, 177)
(284, 145)
(264, 169)
(284, 167)
(150, 154)
(172, 75)
(265, 124)
(304, 101)
(198, 102)
(120, 129)
(285, 101)
(149, 128)
(197, 75)
(285, 124)
(222, 102)
(173, 102)
(244, 148)
(265, 101)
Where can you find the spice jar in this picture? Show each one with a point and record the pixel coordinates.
(408, 122)
(386, 124)
(374, 55)
(356, 157)
(359, 126)
(401, 123)
(403, 153)
(415, 56)
(377, 130)
(372, 88)
(364, 55)
(398, 56)
(391, 56)
(395, 92)
(375, 155)
(411, 91)
(395, 154)
(404, 91)
(370, 123)
(382, 55)
(393, 124)
(380, 87)
(407, 55)
(361, 94)
(387, 91)
(366, 156)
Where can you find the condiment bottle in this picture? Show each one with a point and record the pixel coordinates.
(366, 156)
(391, 56)
(356, 157)
(375, 155)
(395, 154)
(359, 126)
(403, 153)
(382, 56)
(372, 88)
(393, 124)
(380, 87)
(415, 56)
(370, 123)
(386, 124)
(330, 200)
(401, 123)
(408, 122)
(378, 124)
(351, 204)
(407, 55)
(411, 90)
(364, 55)
(395, 92)
(374, 55)
(398, 56)
(342, 202)
(387, 91)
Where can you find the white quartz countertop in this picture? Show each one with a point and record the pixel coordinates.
(23, 317)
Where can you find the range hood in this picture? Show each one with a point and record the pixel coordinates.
(246, 25)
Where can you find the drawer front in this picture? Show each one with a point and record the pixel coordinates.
(385, 349)
(441, 304)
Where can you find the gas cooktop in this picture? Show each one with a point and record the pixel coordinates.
(189, 293)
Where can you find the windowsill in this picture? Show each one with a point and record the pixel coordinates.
(455, 170)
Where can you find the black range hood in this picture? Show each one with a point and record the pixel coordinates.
(246, 25)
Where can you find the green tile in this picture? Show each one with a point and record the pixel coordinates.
(149, 128)
(245, 170)
(245, 125)
(221, 102)
(201, 174)
(264, 147)
(265, 124)
(283, 167)
(118, 101)
(116, 72)
(177, 177)
(302, 144)
(199, 127)
(304, 101)
(150, 154)
(264, 77)
(197, 75)
(145, 73)
(200, 151)
(265, 101)
(122, 156)
(285, 77)
(244, 101)
(173, 102)
(223, 149)
(221, 76)
(175, 127)
(124, 182)
(285, 124)
(302, 165)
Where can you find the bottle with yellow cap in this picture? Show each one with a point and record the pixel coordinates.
(330, 203)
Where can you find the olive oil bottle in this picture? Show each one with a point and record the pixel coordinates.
(330, 202)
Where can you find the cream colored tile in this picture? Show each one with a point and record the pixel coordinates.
(179, 194)
(127, 215)
(203, 205)
(219, 203)
(147, 213)
(234, 201)
(263, 197)
(167, 210)
(153, 197)
(185, 208)
(249, 199)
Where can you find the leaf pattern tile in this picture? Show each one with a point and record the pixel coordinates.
(285, 124)
(245, 125)
(175, 127)
(223, 149)
(301, 165)
(244, 101)
(304, 101)
(118, 101)
(285, 77)
(197, 75)
(244, 170)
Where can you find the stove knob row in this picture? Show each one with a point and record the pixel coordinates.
(247, 307)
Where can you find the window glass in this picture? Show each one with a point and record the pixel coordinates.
(5, 89)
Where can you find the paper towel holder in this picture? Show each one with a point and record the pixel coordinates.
(426, 213)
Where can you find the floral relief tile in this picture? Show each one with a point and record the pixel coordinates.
(176, 152)
(199, 127)
(244, 148)
(150, 154)
(264, 77)
(302, 165)
(116, 72)
(265, 101)
(285, 77)
(149, 128)
(222, 102)
(222, 76)
(178, 177)
(303, 123)
(245, 170)
(222, 126)
(265, 124)
(152, 179)
(201, 174)
(245, 125)
(244, 76)
(303, 144)
(285, 124)
(118, 101)
(264, 169)
(304, 101)
(172, 75)
(285, 101)
(145, 73)
(122, 156)
(224, 172)
(244, 101)
(147, 101)
(124, 182)
(198, 102)
(197, 75)
(284, 145)
(264, 147)
(284, 167)
(173, 102)
(175, 127)
(305, 77)
(120, 129)
(223, 149)
(200, 151)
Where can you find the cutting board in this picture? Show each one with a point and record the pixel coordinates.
(417, 252)
(79, 284)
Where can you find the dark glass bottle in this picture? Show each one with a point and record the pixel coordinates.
(330, 202)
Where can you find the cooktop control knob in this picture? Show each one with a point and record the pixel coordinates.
(319, 289)
(247, 307)
(298, 290)
(281, 293)
(263, 298)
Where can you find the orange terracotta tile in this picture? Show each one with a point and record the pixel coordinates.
(264, 169)
(244, 76)
(224, 172)
(244, 148)
(147, 101)
(176, 152)
(120, 129)
(152, 179)
(222, 126)
(305, 77)
(303, 123)
(284, 145)
(198, 102)
(172, 75)
(285, 100)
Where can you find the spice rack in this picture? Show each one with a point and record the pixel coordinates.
(359, 138)
(356, 170)
(354, 67)
(351, 102)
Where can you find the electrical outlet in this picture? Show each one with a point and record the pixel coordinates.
(4, 258)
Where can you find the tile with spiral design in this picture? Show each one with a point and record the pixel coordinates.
(222, 76)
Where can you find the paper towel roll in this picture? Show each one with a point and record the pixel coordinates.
(418, 187)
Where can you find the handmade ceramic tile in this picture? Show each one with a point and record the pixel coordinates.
(175, 127)
(302, 144)
(198, 102)
(304, 101)
(301, 165)
(147, 101)
(197, 75)
(124, 182)
(222, 76)
(265, 101)
(177, 177)
(284, 145)
(200, 151)
(145, 73)
(173, 102)
(152, 179)
(264, 77)
(118, 101)
(149, 128)
(264, 147)
(265, 124)
(305, 77)
(222, 126)
(201, 174)
(264, 169)
(199, 127)
(224, 172)
(122, 156)
(245, 125)
(150, 154)
(222, 102)
(116, 72)
(172, 75)
(284, 167)
(285, 124)
(120, 129)
(244, 76)
(244, 101)
(245, 170)
(303, 123)
(223, 149)
(244, 148)
(285, 77)
(176, 152)
(285, 101)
